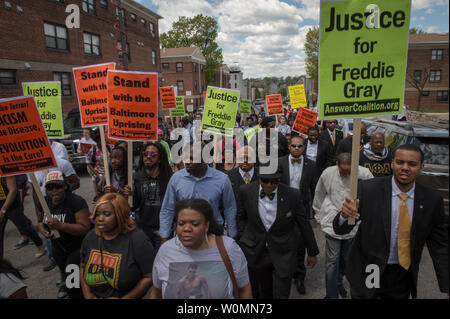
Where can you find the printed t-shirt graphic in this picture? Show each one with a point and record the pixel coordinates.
(111, 265)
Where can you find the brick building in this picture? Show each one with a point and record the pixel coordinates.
(185, 68)
(221, 77)
(427, 57)
(38, 46)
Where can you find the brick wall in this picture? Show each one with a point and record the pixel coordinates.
(23, 40)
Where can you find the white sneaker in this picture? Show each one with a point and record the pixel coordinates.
(41, 251)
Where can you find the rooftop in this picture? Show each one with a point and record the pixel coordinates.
(429, 38)
(184, 51)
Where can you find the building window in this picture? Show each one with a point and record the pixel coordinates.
(179, 66)
(195, 66)
(442, 95)
(235, 85)
(64, 78)
(89, 6)
(7, 76)
(133, 17)
(154, 57)
(152, 29)
(143, 22)
(425, 93)
(435, 75)
(195, 85)
(417, 75)
(104, 3)
(235, 77)
(436, 54)
(55, 36)
(165, 65)
(91, 43)
(180, 86)
(119, 46)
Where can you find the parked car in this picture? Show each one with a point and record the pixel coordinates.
(432, 138)
(346, 126)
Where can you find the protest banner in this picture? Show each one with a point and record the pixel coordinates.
(90, 84)
(274, 104)
(132, 105)
(362, 61)
(167, 97)
(304, 120)
(24, 146)
(179, 110)
(48, 100)
(220, 111)
(245, 106)
(297, 96)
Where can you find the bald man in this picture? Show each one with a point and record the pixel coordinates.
(376, 156)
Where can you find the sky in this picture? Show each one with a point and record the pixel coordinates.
(266, 37)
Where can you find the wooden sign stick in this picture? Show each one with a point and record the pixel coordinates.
(42, 201)
(105, 154)
(355, 163)
(215, 150)
(130, 170)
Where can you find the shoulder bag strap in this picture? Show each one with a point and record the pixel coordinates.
(227, 262)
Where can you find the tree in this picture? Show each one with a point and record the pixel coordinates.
(312, 53)
(416, 31)
(199, 31)
(257, 93)
(418, 81)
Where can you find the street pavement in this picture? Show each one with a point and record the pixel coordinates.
(41, 285)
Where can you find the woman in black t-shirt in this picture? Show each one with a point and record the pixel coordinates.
(70, 217)
(116, 258)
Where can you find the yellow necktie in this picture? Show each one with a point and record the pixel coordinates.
(404, 234)
(332, 139)
(246, 178)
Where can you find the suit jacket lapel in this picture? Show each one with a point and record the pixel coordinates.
(417, 215)
(387, 209)
(255, 194)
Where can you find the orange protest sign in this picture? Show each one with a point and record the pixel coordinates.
(24, 146)
(274, 104)
(90, 84)
(168, 98)
(304, 120)
(132, 105)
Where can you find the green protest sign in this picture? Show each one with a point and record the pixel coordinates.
(179, 111)
(220, 111)
(48, 101)
(245, 107)
(363, 51)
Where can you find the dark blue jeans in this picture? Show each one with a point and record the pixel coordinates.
(17, 216)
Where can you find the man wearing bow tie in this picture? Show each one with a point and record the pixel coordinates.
(272, 221)
(298, 172)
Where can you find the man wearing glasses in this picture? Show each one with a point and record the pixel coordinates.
(298, 172)
(273, 220)
(332, 136)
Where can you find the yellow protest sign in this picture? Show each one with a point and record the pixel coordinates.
(297, 96)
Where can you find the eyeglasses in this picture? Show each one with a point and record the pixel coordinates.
(297, 145)
(271, 181)
(51, 187)
(150, 154)
(332, 122)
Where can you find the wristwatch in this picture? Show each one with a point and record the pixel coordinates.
(3, 211)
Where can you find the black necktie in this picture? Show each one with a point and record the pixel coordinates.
(262, 195)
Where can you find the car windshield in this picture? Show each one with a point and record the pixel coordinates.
(350, 126)
(435, 150)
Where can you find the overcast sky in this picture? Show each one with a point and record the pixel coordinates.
(266, 37)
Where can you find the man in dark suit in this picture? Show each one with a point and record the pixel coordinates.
(318, 150)
(332, 136)
(246, 173)
(299, 172)
(398, 216)
(345, 146)
(272, 219)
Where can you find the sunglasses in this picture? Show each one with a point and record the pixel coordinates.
(51, 187)
(297, 145)
(332, 122)
(150, 154)
(271, 181)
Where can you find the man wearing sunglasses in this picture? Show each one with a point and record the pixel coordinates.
(298, 172)
(332, 136)
(272, 221)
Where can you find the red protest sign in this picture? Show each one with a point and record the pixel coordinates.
(304, 120)
(132, 105)
(168, 98)
(90, 84)
(274, 104)
(24, 146)
(204, 97)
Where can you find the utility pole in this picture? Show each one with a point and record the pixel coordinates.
(123, 38)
